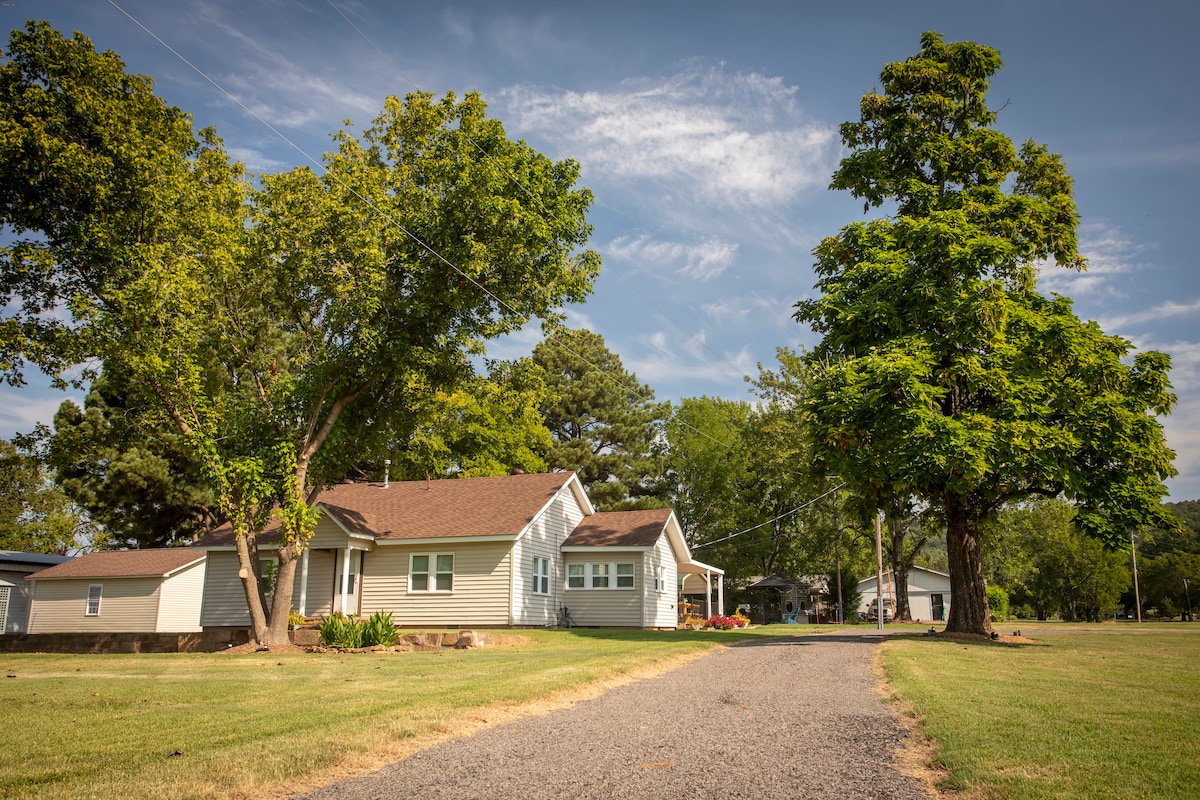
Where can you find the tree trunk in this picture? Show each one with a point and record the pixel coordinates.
(900, 565)
(968, 592)
(281, 606)
(247, 572)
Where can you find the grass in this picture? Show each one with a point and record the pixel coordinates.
(1080, 715)
(223, 725)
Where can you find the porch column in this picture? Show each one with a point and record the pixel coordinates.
(345, 579)
(721, 593)
(303, 583)
(707, 595)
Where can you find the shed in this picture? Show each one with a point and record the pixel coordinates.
(120, 591)
(928, 594)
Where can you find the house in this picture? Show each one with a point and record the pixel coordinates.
(16, 592)
(471, 552)
(126, 591)
(928, 594)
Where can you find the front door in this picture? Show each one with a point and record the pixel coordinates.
(347, 584)
(939, 610)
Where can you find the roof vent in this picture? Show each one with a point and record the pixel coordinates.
(387, 462)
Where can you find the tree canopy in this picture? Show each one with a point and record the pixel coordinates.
(604, 423)
(281, 328)
(942, 371)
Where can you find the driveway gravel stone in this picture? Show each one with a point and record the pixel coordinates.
(782, 718)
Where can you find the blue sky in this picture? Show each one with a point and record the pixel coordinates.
(708, 132)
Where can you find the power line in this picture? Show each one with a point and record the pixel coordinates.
(366, 201)
(770, 521)
(517, 181)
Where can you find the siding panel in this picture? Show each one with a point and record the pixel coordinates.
(181, 599)
(127, 605)
(482, 571)
(622, 608)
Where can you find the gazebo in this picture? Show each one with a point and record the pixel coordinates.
(778, 583)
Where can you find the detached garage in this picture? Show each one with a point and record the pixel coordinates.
(120, 591)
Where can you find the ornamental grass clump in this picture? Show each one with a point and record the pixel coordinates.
(338, 630)
(348, 633)
(379, 630)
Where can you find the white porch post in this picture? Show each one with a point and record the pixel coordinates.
(303, 583)
(721, 592)
(707, 594)
(345, 579)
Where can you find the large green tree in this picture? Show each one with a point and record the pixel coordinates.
(603, 421)
(942, 371)
(35, 515)
(491, 425)
(281, 329)
(137, 479)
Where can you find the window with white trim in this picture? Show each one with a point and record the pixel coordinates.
(602, 576)
(431, 572)
(95, 592)
(660, 579)
(541, 575)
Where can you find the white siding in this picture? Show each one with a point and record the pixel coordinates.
(127, 605)
(328, 535)
(180, 600)
(543, 540)
(661, 610)
(318, 600)
(482, 575)
(607, 608)
(224, 597)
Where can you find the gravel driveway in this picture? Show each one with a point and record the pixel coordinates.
(786, 718)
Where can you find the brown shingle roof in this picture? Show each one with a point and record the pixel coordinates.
(499, 506)
(122, 564)
(620, 529)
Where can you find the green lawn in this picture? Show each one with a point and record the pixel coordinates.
(1079, 714)
(221, 725)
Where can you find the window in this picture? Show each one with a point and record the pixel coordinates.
(93, 601)
(660, 579)
(575, 575)
(541, 575)
(430, 572)
(602, 576)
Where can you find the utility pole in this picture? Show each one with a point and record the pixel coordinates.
(1188, 595)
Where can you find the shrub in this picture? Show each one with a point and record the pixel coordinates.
(295, 620)
(997, 603)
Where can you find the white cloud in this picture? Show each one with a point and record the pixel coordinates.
(21, 411)
(1110, 253)
(761, 310)
(1182, 426)
(458, 25)
(662, 366)
(283, 91)
(703, 261)
(1160, 312)
(729, 140)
